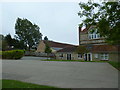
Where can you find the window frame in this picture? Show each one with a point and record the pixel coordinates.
(104, 56)
(96, 55)
(93, 35)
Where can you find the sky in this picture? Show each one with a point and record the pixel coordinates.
(57, 20)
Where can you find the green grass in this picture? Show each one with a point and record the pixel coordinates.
(115, 64)
(19, 84)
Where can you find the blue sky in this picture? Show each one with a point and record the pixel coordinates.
(57, 20)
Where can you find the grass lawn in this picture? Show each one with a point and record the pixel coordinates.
(19, 84)
(115, 64)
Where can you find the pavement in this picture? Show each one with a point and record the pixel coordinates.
(61, 74)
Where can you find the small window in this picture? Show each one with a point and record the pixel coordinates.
(79, 55)
(93, 35)
(96, 55)
(104, 56)
(61, 55)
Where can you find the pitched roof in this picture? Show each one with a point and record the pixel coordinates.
(68, 49)
(56, 44)
(94, 48)
(105, 48)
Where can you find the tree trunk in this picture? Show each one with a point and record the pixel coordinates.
(29, 48)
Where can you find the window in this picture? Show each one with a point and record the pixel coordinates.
(104, 56)
(61, 55)
(93, 35)
(96, 55)
(79, 55)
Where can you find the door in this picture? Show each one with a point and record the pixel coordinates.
(68, 56)
(88, 57)
(85, 57)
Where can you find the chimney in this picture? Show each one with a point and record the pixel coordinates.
(79, 28)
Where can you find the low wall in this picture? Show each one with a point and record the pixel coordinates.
(28, 53)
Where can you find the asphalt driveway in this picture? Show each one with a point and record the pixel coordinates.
(62, 74)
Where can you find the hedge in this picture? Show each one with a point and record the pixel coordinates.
(12, 54)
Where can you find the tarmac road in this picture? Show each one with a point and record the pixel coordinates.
(61, 74)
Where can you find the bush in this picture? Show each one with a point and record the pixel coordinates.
(12, 54)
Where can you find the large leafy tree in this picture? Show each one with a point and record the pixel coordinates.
(106, 17)
(27, 32)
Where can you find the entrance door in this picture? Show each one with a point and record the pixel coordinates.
(68, 56)
(85, 57)
(88, 57)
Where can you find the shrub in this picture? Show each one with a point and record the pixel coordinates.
(12, 54)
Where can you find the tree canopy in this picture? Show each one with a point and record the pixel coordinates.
(8, 39)
(81, 50)
(47, 49)
(12, 42)
(27, 32)
(46, 38)
(106, 17)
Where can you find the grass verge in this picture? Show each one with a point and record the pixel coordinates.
(19, 84)
(115, 64)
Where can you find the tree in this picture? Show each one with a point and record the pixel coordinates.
(1, 37)
(81, 50)
(4, 45)
(18, 44)
(1, 41)
(8, 39)
(27, 32)
(106, 17)
(47, 49)
(13, 43)
(46, 38)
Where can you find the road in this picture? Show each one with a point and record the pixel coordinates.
(62, 74)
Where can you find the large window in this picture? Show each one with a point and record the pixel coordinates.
(104, 56)
(93, 35)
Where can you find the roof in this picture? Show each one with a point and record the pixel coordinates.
(105, 48)
(68, 49)
(57, 44)
(93, 48)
